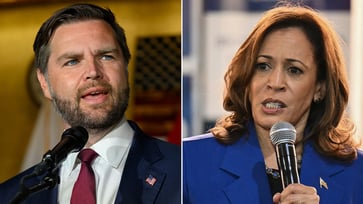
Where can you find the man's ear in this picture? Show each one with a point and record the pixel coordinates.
(44, 84)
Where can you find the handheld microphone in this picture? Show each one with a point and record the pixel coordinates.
(73, 140)
(283, 136)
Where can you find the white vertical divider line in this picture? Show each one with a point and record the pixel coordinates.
(356, 65)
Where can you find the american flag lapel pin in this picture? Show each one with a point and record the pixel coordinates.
(323, 183)
(151, 180)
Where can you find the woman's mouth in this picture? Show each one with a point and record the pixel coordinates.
(273, 106)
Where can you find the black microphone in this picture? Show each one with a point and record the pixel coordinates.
(73, 140)
(283, 136)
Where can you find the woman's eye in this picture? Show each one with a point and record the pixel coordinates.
(262, 66)
(295, 71)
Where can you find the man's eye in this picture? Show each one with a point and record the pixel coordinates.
(71, 62)
(107, 57)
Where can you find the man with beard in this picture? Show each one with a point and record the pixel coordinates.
(81, 56)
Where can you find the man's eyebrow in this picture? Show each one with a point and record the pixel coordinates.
(107, 50)
(68, 55)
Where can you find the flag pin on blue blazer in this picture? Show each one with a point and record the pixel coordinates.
(323, 184)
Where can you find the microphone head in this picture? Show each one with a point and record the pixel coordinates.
(73, 140)
(78, 134)
(282, 132)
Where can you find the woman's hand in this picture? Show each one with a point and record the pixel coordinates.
(297, 193)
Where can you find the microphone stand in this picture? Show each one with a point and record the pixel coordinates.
(49, 181)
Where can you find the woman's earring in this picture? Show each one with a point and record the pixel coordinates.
(317, 99)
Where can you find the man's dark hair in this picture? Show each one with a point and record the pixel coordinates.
(74, 13)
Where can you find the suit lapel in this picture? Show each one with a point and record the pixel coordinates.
(320, 172)
(141, 180)
(152, 181)
(244, 160)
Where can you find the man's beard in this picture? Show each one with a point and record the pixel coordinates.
(111, 113)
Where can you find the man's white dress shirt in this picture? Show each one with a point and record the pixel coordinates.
(108, 166)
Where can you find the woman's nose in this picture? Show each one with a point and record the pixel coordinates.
(276, 79)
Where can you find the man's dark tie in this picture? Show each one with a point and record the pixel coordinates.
(84, 190)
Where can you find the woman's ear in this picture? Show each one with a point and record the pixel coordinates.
(44, 84)
(320, 92)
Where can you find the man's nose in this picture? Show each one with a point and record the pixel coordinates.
(93, 70)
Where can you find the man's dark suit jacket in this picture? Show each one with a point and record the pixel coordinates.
(147, 156)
